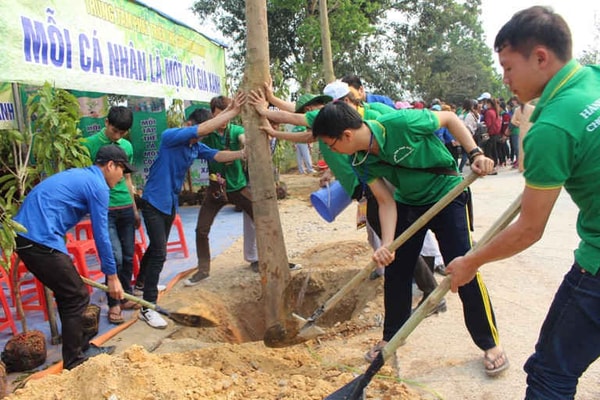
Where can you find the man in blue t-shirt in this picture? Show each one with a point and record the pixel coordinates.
(179, 147)
(52, 208)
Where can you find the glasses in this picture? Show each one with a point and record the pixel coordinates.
(334, 142)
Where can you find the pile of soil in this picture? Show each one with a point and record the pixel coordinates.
(230, 361)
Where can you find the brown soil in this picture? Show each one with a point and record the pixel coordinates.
(230, 361)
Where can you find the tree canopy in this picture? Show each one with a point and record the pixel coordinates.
(402, 48)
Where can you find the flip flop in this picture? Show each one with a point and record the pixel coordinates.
(115, 318)
(496, 368)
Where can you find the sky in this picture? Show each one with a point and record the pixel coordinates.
(579, 15)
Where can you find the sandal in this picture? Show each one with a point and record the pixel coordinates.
(372, 354)
(494, 366)
(115, 317)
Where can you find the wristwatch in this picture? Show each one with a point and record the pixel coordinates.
(474, 153)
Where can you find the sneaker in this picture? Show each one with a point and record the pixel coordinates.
(153, 318)
(196, 278)
(94, 350)
(138, 291)
(440, 308)
(294, 267)
(440, 269)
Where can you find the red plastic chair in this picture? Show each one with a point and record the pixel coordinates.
(180, 244)
(6, 321)
(33, 297)
(140, 247)
(80, 249)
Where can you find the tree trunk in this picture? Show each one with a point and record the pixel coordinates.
(272, 254)
(326, 43)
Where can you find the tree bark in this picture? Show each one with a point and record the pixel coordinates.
(272, 254)
(328, 73)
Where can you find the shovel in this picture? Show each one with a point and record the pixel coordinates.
(308, 329)
(354, 390)
(192, 320)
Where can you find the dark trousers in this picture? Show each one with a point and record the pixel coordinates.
(451, 229)
(514, 147)
(158, 227)
(423, 275)
(56, 270)
(121, 230)
(491, 149)
(206, 216)
(569, 340)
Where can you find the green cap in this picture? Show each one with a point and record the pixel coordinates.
(308, 99)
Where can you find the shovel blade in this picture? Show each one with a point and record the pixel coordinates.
(351, 391)
(278, 336)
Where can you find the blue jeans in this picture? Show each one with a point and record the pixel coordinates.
(121, 230)
(569, 340)
(158, 227)
(303, 158)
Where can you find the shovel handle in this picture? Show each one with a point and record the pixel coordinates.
(399, 241)
(127, 296)
(436, 296)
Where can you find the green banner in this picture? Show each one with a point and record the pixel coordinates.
(8, 116)
(94, 108)
(149, 122)
(108, 46)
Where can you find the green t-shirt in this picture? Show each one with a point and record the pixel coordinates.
(232, 171)
(119, 195)
(408, 145)
(338, 163)
(562, 149)
(379, 107)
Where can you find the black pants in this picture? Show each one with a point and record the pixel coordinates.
(423, 275)
(56, 270)
(206, 216)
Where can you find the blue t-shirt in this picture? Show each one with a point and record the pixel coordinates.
(59, 202)
(175, 156)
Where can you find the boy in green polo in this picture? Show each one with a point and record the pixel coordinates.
(403, 148)
(562, 147)
(123, 216)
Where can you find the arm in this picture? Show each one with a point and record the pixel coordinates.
(136, 213)
(276, 101)
(480, 164)
(232, 110)
(98, 207)
(536, 206)
(296, 137)
(224, 156)
(257, 99)
(388, 215)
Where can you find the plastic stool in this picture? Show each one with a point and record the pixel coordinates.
(181, 244)
(6, 321)
(33, 296)
(79, 249)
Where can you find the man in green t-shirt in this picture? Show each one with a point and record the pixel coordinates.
(402, 147)
(123, 216)
(227, 137)
(562, 148)
(304, 113)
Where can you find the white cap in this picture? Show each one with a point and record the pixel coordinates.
(336, 89)
(484, 96)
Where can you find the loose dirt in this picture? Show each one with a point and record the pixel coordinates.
(439, 361)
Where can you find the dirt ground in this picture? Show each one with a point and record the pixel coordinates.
(439, 360)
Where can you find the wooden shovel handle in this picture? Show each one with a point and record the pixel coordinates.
(399, 241)
(127, 296)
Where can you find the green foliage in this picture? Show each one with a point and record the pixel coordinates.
(175, 114)
(55, 145)
(57, 141)
(294, 32)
